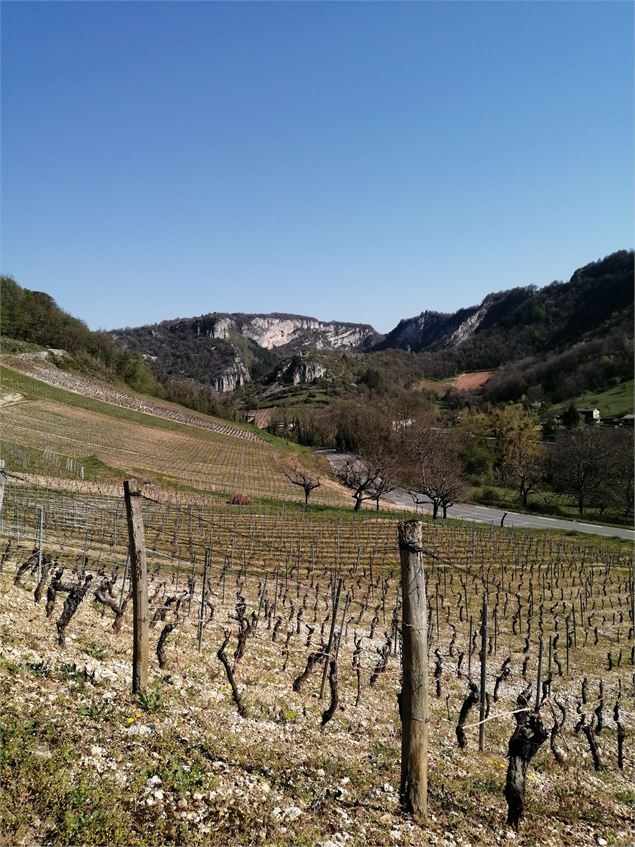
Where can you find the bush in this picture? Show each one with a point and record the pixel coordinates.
(490, 495)
(548, 506)
(241, 500)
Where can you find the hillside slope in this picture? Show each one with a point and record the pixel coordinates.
(227, 351)
(34, 317)
(66, 427)
(527, 321)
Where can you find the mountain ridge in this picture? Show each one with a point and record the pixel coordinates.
(228, 350)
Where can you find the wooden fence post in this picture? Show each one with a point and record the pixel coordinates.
(413, 700)
(201, 616)
(539, 675)
(139, 575)
(40, 539)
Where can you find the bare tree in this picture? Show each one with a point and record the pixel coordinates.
(580, 463)
(306, 480)
(370, 478)
(614, 488)
(432, 469)
(373, 472)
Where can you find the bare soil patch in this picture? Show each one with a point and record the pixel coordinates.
(471, 381)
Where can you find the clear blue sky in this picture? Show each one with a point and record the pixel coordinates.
(351, 161)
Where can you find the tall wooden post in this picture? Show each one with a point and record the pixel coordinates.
(138, 572)
(201, 616)
(413, 700)
(539, 675)
(40, 539)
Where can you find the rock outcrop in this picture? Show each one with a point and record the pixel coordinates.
(294, 331)
(298, 371)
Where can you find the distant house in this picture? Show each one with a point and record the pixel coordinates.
(627, 420)
(590, 416)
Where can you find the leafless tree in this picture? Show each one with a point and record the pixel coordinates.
(431, 466)
(582, 463)
(306, 480)
(370, 478)
(373, 472)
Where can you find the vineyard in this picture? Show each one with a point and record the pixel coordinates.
(100, 434)
(275, 663)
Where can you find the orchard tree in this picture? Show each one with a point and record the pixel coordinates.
(303, 478)
(432, 469)
(372, 472)
(370, 478)
(519, 455)
(580, 463)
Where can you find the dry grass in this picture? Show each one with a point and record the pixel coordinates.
(112, 442)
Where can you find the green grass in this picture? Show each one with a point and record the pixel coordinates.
(612, 403)
(544, 503)
(12, 346)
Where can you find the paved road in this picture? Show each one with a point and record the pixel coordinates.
(485, 514)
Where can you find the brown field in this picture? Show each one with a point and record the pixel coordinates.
(470, 381)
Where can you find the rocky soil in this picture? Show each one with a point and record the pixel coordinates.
(85, 762)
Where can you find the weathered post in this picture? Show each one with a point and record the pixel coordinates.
(201, 616)
(539, 677)
(413, 700)
(40, 539)
(138, 572)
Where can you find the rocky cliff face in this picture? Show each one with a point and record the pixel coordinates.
(298, 370)
(227, 351)
(231, 377)
(432, 329)
(293, 331)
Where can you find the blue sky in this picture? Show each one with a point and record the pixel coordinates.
(355, 161)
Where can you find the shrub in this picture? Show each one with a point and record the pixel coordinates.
(490, 495)
(241, 500)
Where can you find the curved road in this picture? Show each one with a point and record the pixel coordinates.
(486, 514)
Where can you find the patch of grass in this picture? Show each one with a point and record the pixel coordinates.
(612, 403)
(383, 756)
(180, 776)
(151, 700)
(42, 784)
(13, 346)
(626, 796)
(96, 651)
(42, 669)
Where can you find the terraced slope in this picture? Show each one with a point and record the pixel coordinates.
(45, 372)
(89, 431)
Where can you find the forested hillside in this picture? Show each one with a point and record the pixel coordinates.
(551, 344)
(34, 317)
(556, 342)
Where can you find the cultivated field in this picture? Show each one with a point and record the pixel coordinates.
(55, 432)
(196, 761)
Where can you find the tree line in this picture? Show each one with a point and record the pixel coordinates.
(439, 459)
